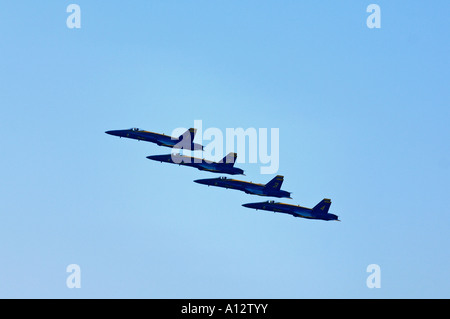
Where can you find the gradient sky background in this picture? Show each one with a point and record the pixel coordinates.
(363, 116)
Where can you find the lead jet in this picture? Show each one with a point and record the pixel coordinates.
(320, 211)
(184, 141)
(224, 166)
(272, 188)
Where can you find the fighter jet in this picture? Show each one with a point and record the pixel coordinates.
(224, 166)
(184, 141)
(320, 211)
(272, 188)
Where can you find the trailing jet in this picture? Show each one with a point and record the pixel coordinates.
(320, 211)
(184, 141)
(225, 166)
(272, 188)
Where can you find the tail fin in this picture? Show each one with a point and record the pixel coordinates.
(323, 206)
(188, 134)
(275, 183)
(229, 159)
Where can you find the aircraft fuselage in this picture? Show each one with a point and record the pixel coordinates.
(294, 210)
(157, 138)
(198, 163)
(247, 187)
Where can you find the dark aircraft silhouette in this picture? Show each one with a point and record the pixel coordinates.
(320, 211)
(184, 141)
(225, 166)
(272, 188)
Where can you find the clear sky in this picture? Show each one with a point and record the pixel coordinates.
(363, 116)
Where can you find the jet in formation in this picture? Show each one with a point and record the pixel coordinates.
(184, 141)
(320, 211)
(271, 189)
(224, 166)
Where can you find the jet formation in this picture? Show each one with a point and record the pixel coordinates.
(226, 166)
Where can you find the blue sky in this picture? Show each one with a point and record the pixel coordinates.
(363, 118)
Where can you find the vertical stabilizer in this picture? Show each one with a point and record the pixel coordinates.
(275, 183)
(323, 206)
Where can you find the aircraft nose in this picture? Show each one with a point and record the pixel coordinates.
(200, 181)
(250, 205)
(160, 158)
(115, 132)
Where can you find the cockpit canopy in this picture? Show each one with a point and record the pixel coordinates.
(222, 177)
(135, 129)
(271, 201)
